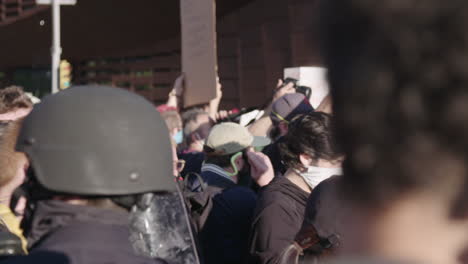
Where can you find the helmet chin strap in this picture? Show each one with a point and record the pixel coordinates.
(24, 191)
(31, 190)
(17, 194)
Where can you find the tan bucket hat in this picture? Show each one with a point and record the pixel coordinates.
(229, 138)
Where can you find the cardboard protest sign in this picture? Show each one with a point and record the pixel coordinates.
(199, 55)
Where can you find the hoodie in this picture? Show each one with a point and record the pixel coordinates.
(278, 218)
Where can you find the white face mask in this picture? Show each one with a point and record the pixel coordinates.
(315, 175)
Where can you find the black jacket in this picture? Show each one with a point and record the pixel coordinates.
(71, 234)
(193, 162)
(225, 235)
(278, 218)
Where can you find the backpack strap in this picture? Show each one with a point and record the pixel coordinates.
(187, 185)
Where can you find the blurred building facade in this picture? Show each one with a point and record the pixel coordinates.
(136, 45)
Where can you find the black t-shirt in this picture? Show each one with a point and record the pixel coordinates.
(193, 162)
(278, 218)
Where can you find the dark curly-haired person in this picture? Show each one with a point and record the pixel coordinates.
(14, 103)
(310, 153)
(398, 72)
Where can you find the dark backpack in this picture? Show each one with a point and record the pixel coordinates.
(199, 200)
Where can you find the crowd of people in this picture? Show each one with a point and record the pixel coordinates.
(375, 174)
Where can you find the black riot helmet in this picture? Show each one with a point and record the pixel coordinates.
(97, 141)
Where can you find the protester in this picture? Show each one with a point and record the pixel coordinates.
(326, 105)
(283, 111)
(229, 165)
(175, 98)
(102, 172)
(326, 211)
(14, 165)
(311, 155)
(398, 82)
(14, 103)
(174, 124)
(197, 125)
(320, 236)
(88, 168)
(263, 125)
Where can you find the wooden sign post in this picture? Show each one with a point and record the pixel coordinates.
(199, 54)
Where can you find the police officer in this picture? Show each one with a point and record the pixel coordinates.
(99, 182)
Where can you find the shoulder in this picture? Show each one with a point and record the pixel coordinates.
(278, 199)
(275, 191)
(191, 155)
(325, 195)
(86, 242)
(215, 180)
(240, 193)
(233, 204)
(272, 206)
(238, 198)
(272, 198)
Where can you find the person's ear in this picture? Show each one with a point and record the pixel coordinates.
(305, 159)
(195, 137)
(239, 161)
(283, 127)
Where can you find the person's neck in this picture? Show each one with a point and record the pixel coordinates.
(5, 199)
(5, 193)
(235, 178)
(297, 179)
(414, 230)
(328, 164)
(195, 147)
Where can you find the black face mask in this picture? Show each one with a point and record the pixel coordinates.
(244, 176)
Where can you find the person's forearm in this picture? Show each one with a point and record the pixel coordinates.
(172, 101)
(326, 105)
(214, 107)
(261, 127)
(174, 97)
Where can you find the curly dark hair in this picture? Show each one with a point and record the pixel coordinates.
(189, 122)
(398, 73)
(12, 98)
(309, 134)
